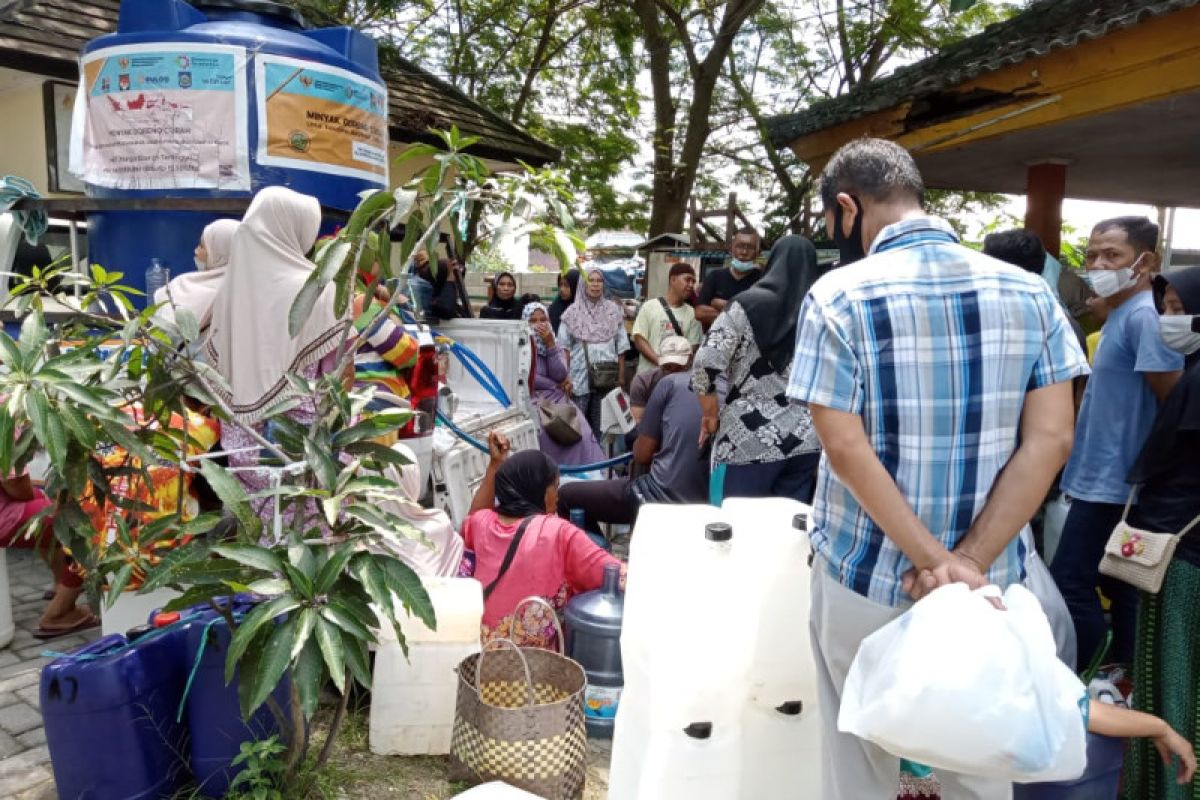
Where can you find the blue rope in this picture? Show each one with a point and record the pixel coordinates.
(566, 470)
(187, 687)
(480, 372)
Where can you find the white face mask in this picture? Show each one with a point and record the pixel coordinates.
(200, 264)
(1177, 333)
(1107, 282)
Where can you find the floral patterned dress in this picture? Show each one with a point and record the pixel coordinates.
(759, 425)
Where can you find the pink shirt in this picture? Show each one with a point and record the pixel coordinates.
(556, 561)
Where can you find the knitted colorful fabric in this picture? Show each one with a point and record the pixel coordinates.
(383, 355)
(1166, 681)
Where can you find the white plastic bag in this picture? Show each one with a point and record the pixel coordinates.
(958, 685)
(1039, 581)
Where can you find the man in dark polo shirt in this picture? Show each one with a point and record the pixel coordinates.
(724, 284)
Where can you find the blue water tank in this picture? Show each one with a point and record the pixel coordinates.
(218, 99)
(109, 709)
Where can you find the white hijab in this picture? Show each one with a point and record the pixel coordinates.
(248, 341)
(443, 557)
(196, 291)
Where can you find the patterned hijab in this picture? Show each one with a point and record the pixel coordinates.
(527, 312)
(593, 321)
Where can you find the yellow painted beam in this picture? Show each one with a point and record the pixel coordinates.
(1157, 59)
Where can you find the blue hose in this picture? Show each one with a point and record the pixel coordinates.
(566, 470)
(479, 371)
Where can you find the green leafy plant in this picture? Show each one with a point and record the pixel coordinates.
(262, 770)
(106, 396)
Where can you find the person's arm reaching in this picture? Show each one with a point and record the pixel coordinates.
(853, 459)
(485, 495)
(1047, 432)
(1126, 723)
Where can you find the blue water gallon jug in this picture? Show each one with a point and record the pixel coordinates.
(593, 633)
(1101, 780)
(109, 709)
(215, 100)
(213, 716)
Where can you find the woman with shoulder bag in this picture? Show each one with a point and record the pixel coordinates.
(565, 434)
(593, 330)
(1166, 671)
(517, 547)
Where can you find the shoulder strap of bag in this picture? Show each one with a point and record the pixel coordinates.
(587, 359)
(1129, 503)
(508, 557)
(671, 316)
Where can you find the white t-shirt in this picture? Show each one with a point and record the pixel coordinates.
(653, 325)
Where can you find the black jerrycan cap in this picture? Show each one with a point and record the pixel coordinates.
(800, 522)
(699, 730)
(718, 532)
(791, 708)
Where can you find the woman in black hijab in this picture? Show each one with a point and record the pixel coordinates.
(568, 284)
(503, 303)
(448, 298)
(763, 445)
(520, 549)
(1167, 665)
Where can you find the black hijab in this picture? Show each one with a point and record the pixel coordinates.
(522, 481)
(773, 304)
(1180, 412)
(502, 309)
(559, 306)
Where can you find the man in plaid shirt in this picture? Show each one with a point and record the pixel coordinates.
(939, 381)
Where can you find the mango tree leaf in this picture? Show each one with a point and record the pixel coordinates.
(9, 353)
(196, 595)
(357, 659)
(332, 569)
(232, 496)
(189, 326)
(56, 440)
(407, 586)
(118, 583)
(274, 660)
(301, 583)
(329, 639)
(7, 429)
(322, 464)
(250, 626)
(337, 613)
(306, 620)
(38, 410)
(251, 556)
(308, 675)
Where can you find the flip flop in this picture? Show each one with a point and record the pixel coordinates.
(90, 621)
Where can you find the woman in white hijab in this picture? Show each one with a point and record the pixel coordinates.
(441, 551)
(248, 341)
(197, 290)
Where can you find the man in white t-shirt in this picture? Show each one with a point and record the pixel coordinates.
(667, 316)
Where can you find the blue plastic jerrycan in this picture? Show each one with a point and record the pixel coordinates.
(109, 710)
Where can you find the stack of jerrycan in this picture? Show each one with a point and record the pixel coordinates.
(719, 698)
(413, 697)
(121, 722)
(217, 99)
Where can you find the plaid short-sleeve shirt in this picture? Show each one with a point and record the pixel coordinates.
(935, 346)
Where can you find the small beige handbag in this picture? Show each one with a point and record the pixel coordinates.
(1137, 557)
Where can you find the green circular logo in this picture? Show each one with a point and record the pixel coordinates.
(299, 141)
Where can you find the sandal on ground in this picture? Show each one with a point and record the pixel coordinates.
(89, 621)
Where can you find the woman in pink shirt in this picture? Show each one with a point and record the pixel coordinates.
(512, 520)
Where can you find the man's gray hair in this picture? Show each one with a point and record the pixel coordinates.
(875, 168)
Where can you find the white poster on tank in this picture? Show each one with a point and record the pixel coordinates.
(168, 115)
(320, 118)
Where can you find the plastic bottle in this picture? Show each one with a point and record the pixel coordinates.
(157, 277)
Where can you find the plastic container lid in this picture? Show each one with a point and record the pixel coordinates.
(164, 618)
(718, 531)
(800, 522)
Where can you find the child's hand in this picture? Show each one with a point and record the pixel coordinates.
(1169, 744)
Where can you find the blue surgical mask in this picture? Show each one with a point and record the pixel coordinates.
(737, 265)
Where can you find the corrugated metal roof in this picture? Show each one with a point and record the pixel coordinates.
(45, 37)
(1045, 26)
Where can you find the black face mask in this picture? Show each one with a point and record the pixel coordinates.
(850, 248)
